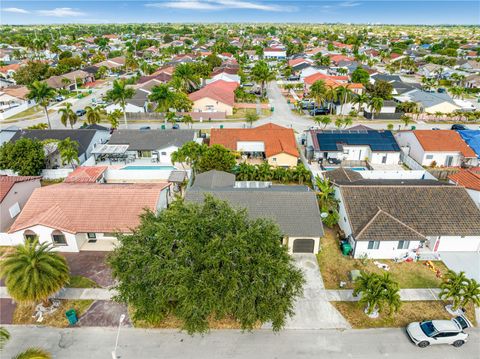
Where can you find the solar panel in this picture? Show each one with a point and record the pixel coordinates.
(377, 140)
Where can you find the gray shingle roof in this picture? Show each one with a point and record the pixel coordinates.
(149, 140)
(214, 179)
(429, 210)
(429, 99)
(293, 208)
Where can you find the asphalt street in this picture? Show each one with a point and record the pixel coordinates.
(231, 344)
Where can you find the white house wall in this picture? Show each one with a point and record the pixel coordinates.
(457, 244)
(392, 158)
(45, 236)
(386, 250)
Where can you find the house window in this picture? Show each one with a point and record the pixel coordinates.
(429, 157)
(274, 159)
(164, 153)
(145, 153)
(29, 236)
(403, 244)
(59, 238)
(91, 235)
(373, 244)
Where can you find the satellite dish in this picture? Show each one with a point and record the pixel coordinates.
(324, 214)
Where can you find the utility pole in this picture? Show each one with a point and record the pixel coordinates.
(120, 321)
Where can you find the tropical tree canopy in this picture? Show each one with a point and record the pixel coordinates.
(189, 153)
(33, 353)
(261, 73)
(459, 289)
(25, 157)
(41, 93)
(68, 150)
(360, 75)
(206, 261)
(67, 115)
(32, 272)
(216, 157)
(94, 114)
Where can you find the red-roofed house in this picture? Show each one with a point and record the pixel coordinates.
(14, 193)
(443, 148)
(87, 174)
(86, 216)
(218, 96)
(470, 179)
(335, 59)
(310, 80)
(269, 142)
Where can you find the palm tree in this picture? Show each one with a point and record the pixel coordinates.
(163, 97)
(94, 114)
(33, 273)
(375, 104)
(377, 290)
(245, 172)
(452, 288)
(322, 120)
(344, 94)
(325, 192)
(261, 73)
(68, 150)
(4, 336)
(251, 117)
(471, 293)
(264, 172)
(68, 116)
(331, 95)
(360, 100)
(33, 353)
(457, 92)
(187, 77)
(119, 94)
(188, 120)
(317, 91)
(347, 121)
(113, 118)
(301, 174)
(41, 93)
(390, 127)
(406, 120)
(338, 122)
(281, 174)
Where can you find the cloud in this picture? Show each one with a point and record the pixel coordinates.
(16, 10)
(349, 4)
(214, 5)
(61, 12)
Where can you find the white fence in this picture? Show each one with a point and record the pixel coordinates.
(406, 175)
(56, 174)
(118, 175)
(15, 110)
(410, 162)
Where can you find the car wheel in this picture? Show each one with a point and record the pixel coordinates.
(423, 344)
(458, 343)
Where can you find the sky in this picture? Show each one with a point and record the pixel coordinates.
(428, 12)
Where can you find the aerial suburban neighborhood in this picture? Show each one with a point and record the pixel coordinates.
(233, 179)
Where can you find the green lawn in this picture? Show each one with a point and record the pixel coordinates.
(336, 267)
(78, 281)
(409, 312)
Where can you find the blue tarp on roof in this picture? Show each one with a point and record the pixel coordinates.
(472, 138)
(377, 140)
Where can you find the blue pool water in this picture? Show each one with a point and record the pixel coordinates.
(158, 168)
(350, 168)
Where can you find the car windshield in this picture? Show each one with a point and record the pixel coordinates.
(428, 328)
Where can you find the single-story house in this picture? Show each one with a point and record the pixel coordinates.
(437, 147)
(87, 174)
(223, 76)
(14, 193)
(430, 102)
(293, 208)
(470, 179)
(218, 96)
(87, 139)
(472, 138)
(274, 53)
(270, 142)
(86, 216)
(376, 147)
(155, 145)
(393, 218)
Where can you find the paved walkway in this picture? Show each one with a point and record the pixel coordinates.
(313, 289)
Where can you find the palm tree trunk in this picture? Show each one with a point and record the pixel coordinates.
(48, 118)
(125, 117)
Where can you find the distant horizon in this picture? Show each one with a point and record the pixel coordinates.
(354, 12)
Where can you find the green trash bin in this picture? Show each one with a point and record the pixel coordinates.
(272, 108)
(414, 128)
(163, 127)
(90, 92)
(71, 315)
(346, 249)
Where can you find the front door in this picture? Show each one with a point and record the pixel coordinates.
(384, 159)
(303, 245)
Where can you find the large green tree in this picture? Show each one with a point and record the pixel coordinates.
(31, 72)
(41, 93)
(33, 273)
(216, 157)
(68, 150)
(360, 75)
(261, 73)
(119, 94)
(206, 261)
(25, 157)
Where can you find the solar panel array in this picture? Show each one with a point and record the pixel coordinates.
(377, 140)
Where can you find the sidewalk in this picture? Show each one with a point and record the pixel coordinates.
(331, 295)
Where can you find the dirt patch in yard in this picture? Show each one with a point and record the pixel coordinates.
(336, 267)
(91, 265)
(104, 313)
(409, 312)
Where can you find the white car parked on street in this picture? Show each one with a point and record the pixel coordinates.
(432, 332)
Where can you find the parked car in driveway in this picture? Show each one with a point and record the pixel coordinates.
(80, 112)
(59, 98)
(319, 111)
(431, 332)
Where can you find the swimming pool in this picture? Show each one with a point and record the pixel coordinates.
(157, 168)
(350, 168)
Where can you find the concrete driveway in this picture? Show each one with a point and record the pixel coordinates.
(313, 311)
(468, 262)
